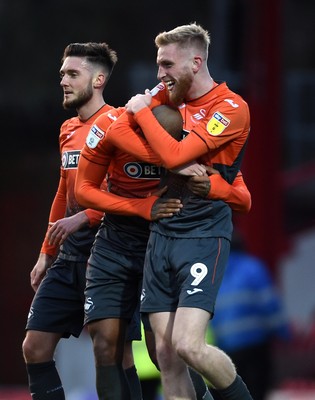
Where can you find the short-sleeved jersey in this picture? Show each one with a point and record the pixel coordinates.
(217, 126)
(73, 133)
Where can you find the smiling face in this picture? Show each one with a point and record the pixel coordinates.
(77, 82)
(176, 68)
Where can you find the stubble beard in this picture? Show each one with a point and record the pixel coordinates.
(81, 99)
(178, 94)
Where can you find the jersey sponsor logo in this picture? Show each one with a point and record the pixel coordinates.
(217, 124)
(94, 136)
(70, 159)
(230, 101)
(141, 170)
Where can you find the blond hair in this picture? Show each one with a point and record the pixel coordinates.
(191, 35)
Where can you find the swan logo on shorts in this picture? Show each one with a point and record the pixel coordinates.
(30, 314)
(217, 124)
(88, 305)
(142, 297)
(94, 136)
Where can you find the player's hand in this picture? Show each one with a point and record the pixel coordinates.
(164, 208)
(61, 229)
(138, 102)
(191, 169)
(39, 271)
(201, 185)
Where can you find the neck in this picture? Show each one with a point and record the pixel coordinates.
(201, 86)
(85, 112)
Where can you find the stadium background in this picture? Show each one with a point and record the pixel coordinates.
(264, 49)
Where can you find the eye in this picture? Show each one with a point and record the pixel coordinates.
(168, 64)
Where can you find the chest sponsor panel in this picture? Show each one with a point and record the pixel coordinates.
(141, 170)
(70, 159)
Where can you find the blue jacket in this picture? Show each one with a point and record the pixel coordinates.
(248, 308)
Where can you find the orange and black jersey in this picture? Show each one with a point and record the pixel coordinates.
(72, 137)
(130, 181)
(217, 126)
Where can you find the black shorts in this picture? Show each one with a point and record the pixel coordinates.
(58, 303)
(183, 273)
(114, 277)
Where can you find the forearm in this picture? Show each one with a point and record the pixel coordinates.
(92, 197)
(122, 134)
(57, 211)
(172, 153)
(236, 195)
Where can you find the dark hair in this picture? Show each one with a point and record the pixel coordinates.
(95, 53)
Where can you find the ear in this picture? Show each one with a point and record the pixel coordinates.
(197, 62)
(99, 80)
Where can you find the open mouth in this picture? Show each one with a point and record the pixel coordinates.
(170, 85)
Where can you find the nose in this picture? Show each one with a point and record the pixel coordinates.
(63, 81)
(161, 73)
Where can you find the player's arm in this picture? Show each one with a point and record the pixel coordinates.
(60, 227)
(236, 195)
(93, 165)
(89, 194)
(57, 211)
(228, 121)
(215, 187)
(48, 251)
(172, 153)
(92, 169)
(124, 134)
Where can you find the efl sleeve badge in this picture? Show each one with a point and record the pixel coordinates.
(217, 124)
(94, 136)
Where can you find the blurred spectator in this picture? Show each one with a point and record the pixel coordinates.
(249, 318)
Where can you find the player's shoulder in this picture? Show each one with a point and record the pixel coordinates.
(70, 121)
(69, 125)
(229, 98)
(229, 104)
(107, 118)
(101, 124)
